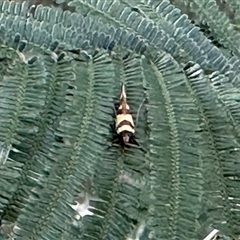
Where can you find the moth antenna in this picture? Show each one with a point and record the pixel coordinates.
(138, 112)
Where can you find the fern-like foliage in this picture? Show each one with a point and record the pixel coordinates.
(61, 72)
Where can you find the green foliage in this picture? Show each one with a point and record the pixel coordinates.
(61, 74)
(218, 22)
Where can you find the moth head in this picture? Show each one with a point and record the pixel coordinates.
(126, 137)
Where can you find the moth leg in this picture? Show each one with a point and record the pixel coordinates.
(115, 107)
(112, 127)
(131, 145)
(139, 109)
(114, 142)
(135, 144)
(133, 141)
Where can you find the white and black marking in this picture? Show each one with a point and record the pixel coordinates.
(124, 124)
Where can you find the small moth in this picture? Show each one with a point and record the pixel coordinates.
(124, 124)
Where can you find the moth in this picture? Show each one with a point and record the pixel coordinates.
(124, 124)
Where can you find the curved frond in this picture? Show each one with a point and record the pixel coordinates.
(219, 129)
(12, 86)
(74, 164)
(219, 24)
(167, 36)
(173, 143)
